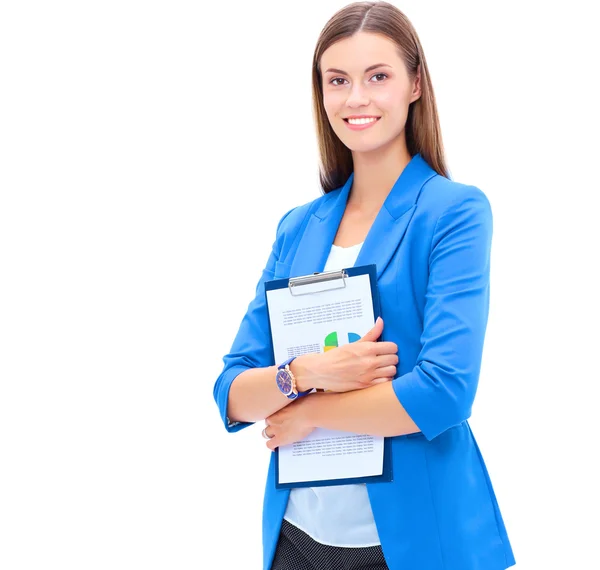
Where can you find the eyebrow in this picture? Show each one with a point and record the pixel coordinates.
(370, 68)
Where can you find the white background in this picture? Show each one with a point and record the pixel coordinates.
(147, 152)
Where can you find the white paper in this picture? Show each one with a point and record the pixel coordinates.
(327, 454)
(328, 317)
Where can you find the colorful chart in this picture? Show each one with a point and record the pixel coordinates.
(332, 339)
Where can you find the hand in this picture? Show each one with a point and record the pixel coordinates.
(352, 366)
(290, 424)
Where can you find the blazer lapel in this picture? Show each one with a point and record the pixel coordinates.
(319, 234)
(391, 223)
(385, 234)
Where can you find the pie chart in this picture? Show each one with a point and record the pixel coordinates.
(333, 340)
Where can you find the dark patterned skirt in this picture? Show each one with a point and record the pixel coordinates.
(298, 551)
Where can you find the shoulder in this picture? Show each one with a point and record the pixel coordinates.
(455, 211)
(291, 225)
(441, 196)
(297, 217)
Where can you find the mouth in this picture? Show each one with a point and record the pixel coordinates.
(359, 124)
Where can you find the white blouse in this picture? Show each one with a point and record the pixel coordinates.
(337, 515)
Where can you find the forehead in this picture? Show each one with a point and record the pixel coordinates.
(355, 53)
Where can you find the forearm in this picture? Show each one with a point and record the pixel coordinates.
(374, 411)
(254, 394)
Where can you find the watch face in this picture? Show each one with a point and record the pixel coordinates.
(284, 381)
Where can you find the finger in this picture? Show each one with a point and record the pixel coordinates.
(374, 333)
(385, 347)
(381, 380)
(385, 372)
(273, 444)
(386, 360)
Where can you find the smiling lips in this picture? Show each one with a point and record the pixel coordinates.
(360, 123)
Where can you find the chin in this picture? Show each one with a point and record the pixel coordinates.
(364, 147)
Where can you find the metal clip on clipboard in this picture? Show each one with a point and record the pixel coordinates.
(330, 279)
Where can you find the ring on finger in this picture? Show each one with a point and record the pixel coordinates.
(266, 435)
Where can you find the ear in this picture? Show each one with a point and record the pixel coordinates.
(416, 90)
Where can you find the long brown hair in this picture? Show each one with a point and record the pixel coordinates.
(423, 133)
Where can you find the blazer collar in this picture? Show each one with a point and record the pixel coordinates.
(385, 234)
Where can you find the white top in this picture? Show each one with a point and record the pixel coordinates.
(337, 515)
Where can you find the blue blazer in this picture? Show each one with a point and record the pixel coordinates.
(431, 244)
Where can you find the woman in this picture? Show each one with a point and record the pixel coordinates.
(388, 201)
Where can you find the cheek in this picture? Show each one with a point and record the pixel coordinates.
(395, 106)
(333, 102)
(390, 101)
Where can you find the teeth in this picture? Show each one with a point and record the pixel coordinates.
(362, 121)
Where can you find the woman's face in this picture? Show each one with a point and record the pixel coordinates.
(365, 76)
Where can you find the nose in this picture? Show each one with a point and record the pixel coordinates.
(358, 96)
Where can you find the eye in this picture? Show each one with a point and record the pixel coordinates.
(379, 75)
(333, 81)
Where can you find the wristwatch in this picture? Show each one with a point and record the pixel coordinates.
(286, 382)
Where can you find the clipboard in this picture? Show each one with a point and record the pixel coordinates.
(319, 283)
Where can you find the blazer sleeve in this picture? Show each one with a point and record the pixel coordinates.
(252, 347)
(439, 391)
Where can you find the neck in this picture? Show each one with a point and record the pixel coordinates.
(376, 172)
